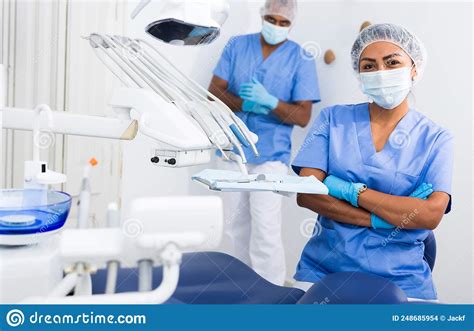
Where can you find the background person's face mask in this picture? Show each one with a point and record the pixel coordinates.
(274, 34)
(387, 88)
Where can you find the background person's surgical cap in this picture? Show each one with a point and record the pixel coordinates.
(395, 34)
(285, 8)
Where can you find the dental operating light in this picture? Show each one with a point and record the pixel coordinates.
(186, 22)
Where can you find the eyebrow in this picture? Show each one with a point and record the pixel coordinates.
(384, 58)
(273, 18)
(391, 55)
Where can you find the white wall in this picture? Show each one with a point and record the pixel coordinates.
(52, 64)
(444, 95)
(88, 89)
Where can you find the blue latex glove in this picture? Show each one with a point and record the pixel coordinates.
(378, 223)
(257, 93)
(343, 190)
(422, 192)
(253, 107)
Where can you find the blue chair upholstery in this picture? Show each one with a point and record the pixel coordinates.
(207, 278)
(212, 277)
(354, 288)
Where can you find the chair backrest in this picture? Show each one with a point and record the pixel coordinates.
(430, 250)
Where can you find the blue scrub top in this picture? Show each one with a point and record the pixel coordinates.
(340, 143)
(289, 74)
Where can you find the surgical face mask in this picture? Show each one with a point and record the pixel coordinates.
(387, 88)
(274, 34)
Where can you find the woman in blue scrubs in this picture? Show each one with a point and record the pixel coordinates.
(388, 169)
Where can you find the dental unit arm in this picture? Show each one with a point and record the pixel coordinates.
(184, 120)
(188, 121)
(186, 127)
(37, 175)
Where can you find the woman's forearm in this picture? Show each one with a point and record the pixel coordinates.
(335, 209)
(406, 212)
(331, 207)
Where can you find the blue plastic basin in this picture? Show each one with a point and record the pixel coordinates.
(32, 211)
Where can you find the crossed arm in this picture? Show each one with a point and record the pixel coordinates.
(298, 113)
(404, 212)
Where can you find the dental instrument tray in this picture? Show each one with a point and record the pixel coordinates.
(231, 181)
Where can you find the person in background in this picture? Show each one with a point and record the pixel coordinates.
(271, 83)
(388, 168)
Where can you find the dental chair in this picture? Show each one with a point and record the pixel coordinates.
(218, 278)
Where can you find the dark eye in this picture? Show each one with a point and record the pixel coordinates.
(271, 20)
(393, 62)
(367, 66)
